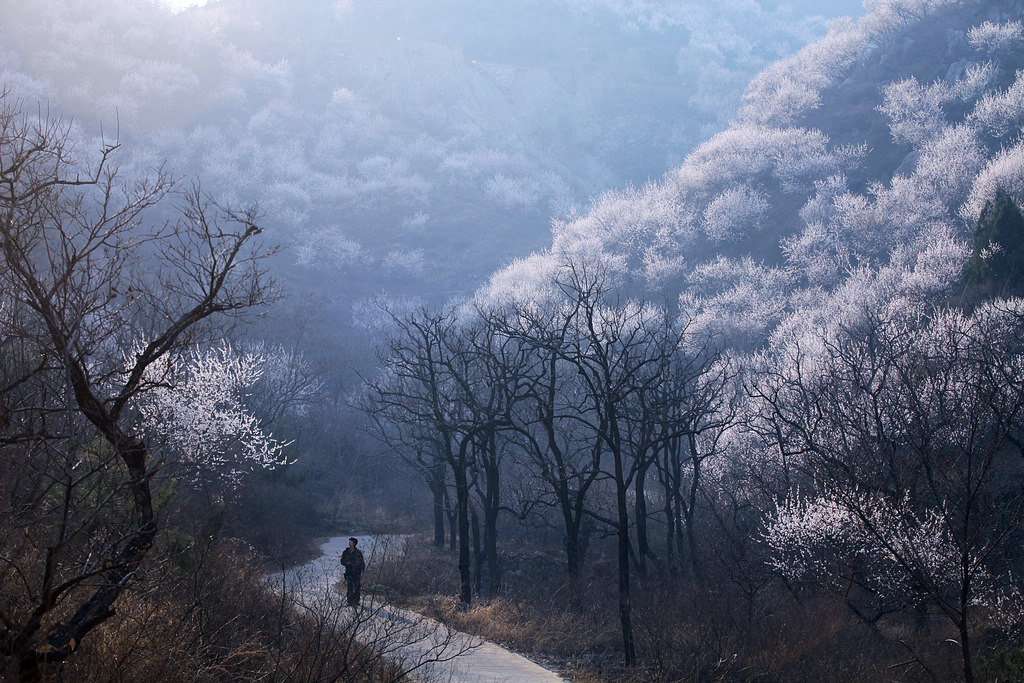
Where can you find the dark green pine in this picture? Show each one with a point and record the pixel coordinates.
(996, 264)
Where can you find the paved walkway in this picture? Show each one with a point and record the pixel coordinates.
(424, 648)
(449, 655)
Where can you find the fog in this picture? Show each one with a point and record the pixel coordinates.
(404, 146)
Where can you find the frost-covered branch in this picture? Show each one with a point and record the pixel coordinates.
(196, 408)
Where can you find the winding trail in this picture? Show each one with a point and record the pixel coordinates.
(424, 648)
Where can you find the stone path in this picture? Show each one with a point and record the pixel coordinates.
(426, 649)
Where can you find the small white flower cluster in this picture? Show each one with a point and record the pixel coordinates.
(834, 539)
(991, 250)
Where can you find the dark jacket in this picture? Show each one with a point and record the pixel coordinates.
(352, 559)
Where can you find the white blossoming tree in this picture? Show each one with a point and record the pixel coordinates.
(90, 263)
(903, 429)
(197, 410)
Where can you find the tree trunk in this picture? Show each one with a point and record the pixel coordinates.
(962, 624)
(437, 490)
(572, 531)
(661, 465)
(453, 524)
(462, 512)
(63, 638)
(965, 651)
(492, 498)
(478, 557)
(640, 513)
(691, 536)
(572, 514)
(625, 610)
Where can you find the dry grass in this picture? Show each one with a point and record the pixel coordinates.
(685, 630)
(527, 626)
(206, 614)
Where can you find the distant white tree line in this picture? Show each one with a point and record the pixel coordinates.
(445, 127)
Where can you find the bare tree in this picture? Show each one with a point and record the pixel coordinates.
(505, 366)
(96, 291)
(412, 441)
(619, 352)
(552, 441)
(699, 405)
(427, 383)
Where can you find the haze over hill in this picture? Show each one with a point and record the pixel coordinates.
(404, 145)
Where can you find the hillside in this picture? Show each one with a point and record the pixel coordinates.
(401, 145)
(859, 165)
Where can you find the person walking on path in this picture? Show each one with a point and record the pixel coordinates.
(352, 560)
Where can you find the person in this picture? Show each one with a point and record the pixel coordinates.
(352, 560)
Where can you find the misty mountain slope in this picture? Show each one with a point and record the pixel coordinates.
(856, 170)
(414, 146)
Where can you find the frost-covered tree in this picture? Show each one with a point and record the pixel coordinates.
(736, 301)
(1003, 172)
(999, 113)
(996, 39)
(915, 110)
(735, 214)
(790, 88)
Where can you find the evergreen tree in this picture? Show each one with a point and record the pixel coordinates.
(996, 265)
